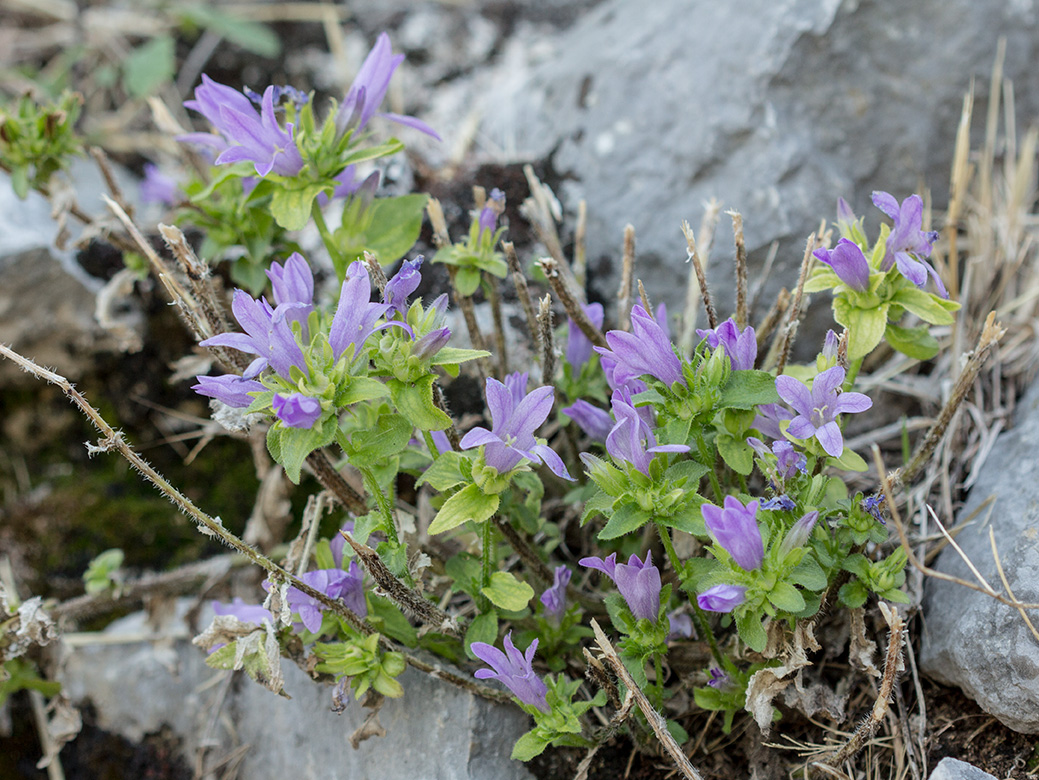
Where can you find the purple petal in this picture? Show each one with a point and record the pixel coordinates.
(852, 403)
(552, 460)
(794, 393)
(801, 428)
(886, 202)
(830, 438)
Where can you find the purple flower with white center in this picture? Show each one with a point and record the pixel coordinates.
(495, 205)
(817, 409)
(514, 670)
(722, 598)
(681, 625)
(631, 440)
(248, 135)
(578, 345)
(779, 503)
(735, 528)
(245, 612)
(908, 244)
(554, 598)
(355, 315)
(769, 417)
(157, 187)
(515, 415)
(336, 584)
(595, 422)
(848, 262)
(368, 89)
(403, 284)
(296, 410)
(798, 534)
(741, 348)
(637, 581)
(646, 350)
(229, 389)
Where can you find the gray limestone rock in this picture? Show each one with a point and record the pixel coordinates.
(775, 107)
(969, 639)
(954, 769)
(435, 731)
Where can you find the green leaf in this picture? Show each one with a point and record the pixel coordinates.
(688, 470)
(444, 473)
(469, 503)
(360, 388)
(850, 461)
(599, 504)
(291, 207)
(467, 280)
(528, 746)
(737, 455)
(930, 308)
(853, 594)
(371, 448)
(750, 630)
(293, 445)
(895, 595)
(249, 35)
(395, 226)
(453, 355)
(865, 326)
(623, 521)
(917, 343)
(507, 592)
(785, 597)
(809, 574)
(415, 401)
(149, 66)
(747, 389)
(484, 628)
(822, 278)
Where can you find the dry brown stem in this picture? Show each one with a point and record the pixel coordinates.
(519, 280)
(573, 309)
(697, 286)
(627, 279)
(546, 340)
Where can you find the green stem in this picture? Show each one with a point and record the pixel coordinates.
(433, 450)
(488, 556)
(708, 457)
(703, 630)
(853, 373)
(669, 548)
(338, 259)
(383, 502)
(659, 669)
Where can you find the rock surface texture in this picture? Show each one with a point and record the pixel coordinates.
(954, 769)
(435, 732)
(969, 639)
(646, 110)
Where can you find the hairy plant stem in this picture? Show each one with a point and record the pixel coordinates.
(332, 481)
(384, 504)
(487, 557)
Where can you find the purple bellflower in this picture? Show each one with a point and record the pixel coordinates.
(368, 90)
(296, 410)
(646, 350)
(631, 440)
(293, 285)
(722, 598)
(720, 679)
(817, 409)
(769, 417)
(595, 422)
(741, 348)
(157, 187)
(845, 216)
(229, 389)
(267, 334)
(245, 612)
(515, 415)
(403, 284)
(514, 670)
(735, 528)
(637, 581)
(355, 315)
(554, 598)
(848, 262)
(798, 534)
(578, 346)
(488, 220)
(334, 583)
(908, 244)
(788, 460)
(247, 135)
(830, 346)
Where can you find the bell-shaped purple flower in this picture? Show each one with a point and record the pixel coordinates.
(403, 284)
(296, 410)
(817, 409)
(514, 670)
(595, 422)
(741, 348)
(427, 346)
(848, 262)
(637, 581)
(368, 90)
(488, 220)
(908, 243)
(631, 440)
(334, 583)
(229, 389)
(248, 135)
(293, 285)
(578, 345)
(722, 598)
(515, 415)
(554, 598)
(267, 334)
(646, 350)
(355, 315)
(769, 417)
(735, 528)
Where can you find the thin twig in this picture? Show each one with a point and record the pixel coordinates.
(627, 279)
(519, 280)
(493, 287)
(741, 269)
(546, 340)
(790, 331)
(530, 559)
(655, 720)
(580, 265)
(441, 403)
(697, 287)
(573, 309)
(332, 481)
(200, 279)
(376, 272)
